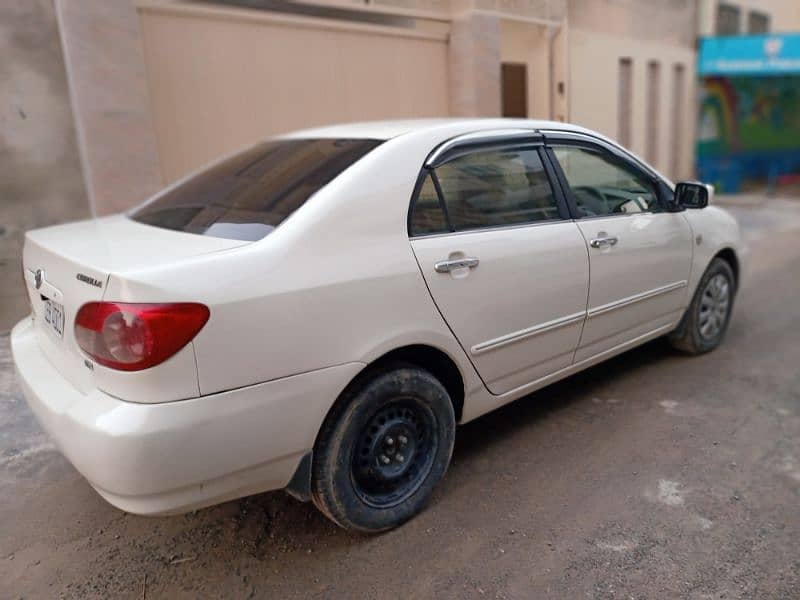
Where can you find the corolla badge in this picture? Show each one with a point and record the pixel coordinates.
(38, 278)
(89, 280)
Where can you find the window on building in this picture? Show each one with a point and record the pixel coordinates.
(728, 19)
(624, 102)
(652, 115)
(757, 22)
(678, 87)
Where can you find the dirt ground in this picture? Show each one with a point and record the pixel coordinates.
(653, 475)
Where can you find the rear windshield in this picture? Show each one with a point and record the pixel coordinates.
(248, 195)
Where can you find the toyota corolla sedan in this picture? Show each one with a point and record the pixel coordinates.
(318, 312)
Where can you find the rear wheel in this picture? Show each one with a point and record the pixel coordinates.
(382, 450)
(705, 322)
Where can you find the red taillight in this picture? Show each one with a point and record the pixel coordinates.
(131, 337)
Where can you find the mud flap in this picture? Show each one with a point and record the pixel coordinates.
(300, 485)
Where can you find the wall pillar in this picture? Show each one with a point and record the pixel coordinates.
(108, 87)
(474, 66)
(40, 175)
(559, 72)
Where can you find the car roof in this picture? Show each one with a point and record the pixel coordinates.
(436, 131)
(385, 130)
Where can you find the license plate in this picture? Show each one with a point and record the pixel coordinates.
(54, 317)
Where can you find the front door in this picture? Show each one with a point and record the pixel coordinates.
(507, 272)
(639, 253)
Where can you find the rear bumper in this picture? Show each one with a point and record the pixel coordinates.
(178, 456)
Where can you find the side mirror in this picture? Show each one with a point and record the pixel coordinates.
(693, 194)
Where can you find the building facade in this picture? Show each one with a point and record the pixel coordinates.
(193, 80)
(747, 17)
(633, 81)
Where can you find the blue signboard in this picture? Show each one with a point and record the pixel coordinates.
(750, 55)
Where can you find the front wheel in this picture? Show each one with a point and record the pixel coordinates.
(706, 319)
(382, 450)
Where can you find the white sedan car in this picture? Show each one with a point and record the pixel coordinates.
(318, 312)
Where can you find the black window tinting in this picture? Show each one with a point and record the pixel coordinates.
(248, 195)
(495, 188)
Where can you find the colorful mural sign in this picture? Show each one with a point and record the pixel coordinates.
(749, 121)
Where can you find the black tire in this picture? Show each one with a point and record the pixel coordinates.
(689, 336)
(350, 482)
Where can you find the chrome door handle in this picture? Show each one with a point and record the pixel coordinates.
(446, 266)
(603, 241)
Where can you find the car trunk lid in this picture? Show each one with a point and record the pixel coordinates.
(69, 265)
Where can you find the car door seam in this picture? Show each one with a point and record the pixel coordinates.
(444, 320)
(588, 290)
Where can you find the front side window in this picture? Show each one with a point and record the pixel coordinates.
(248, 195)
(494, 188)
(601, 185)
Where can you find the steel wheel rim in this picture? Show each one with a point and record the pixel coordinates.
(714, 305)
(394, 452)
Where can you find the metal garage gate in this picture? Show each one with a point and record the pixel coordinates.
(221, 78)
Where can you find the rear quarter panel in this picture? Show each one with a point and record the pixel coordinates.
(335, 283)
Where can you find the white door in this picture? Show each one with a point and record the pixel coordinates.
(507, 272)
(639, 254)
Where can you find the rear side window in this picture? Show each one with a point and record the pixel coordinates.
(490, 188)
(248, 195)
(428, 216)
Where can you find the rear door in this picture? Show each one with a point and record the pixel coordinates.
(506, 267)
(640, 250)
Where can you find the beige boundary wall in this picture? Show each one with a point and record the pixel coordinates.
(41, 182)
(110, 105)
(527, 43)
(601, 32)
(594, 94)
(223, 78)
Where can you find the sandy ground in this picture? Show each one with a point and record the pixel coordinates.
(651, 476)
